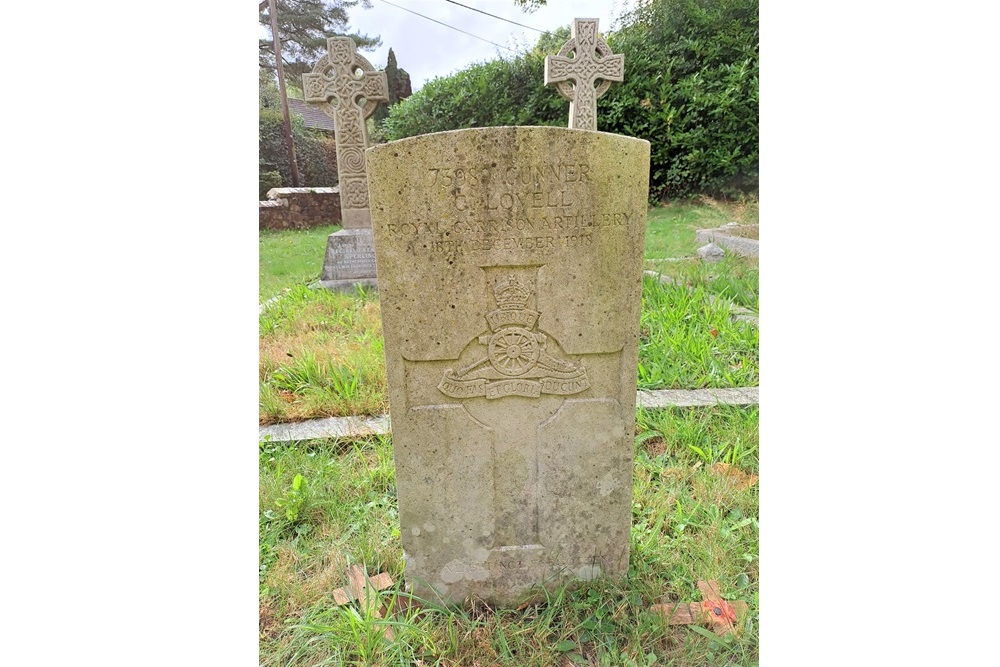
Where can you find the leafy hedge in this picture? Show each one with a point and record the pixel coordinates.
(494, 93)
(690, 89)
(315, 154)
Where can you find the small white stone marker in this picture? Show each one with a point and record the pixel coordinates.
(592, 59)
(345, 78)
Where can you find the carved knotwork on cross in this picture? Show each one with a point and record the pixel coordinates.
(592, 60)
(344, 78)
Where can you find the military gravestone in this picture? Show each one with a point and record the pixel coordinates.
(348, 90)
(510, 272)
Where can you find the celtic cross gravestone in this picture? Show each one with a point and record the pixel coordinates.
(346, 87)
(510, 272)
(582, 61)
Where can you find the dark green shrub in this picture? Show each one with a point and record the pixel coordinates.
(494, 93)
(315, 153)
(268, 180)
(690, 89)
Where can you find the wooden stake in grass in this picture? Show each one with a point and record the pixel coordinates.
(722, 616)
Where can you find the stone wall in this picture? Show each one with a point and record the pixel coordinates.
(300, 208)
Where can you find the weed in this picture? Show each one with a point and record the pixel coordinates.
(294, 499)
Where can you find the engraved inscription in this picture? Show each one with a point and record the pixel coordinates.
(535, 208)
(518, 361)
(354, 258)
(534, 175)
(574, 221)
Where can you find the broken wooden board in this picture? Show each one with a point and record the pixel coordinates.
(366, 591)
(355, 590)
(719, 614)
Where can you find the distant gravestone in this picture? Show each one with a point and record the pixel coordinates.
(510, 272)
(348, 89)
(576, 77)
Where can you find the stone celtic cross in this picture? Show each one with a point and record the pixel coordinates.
(346, 78)
(592, 60)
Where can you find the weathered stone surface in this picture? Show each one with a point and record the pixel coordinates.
(510, 272)
(300, 208)
(350, 259)
(348, 89)
(711, 253)
(339, 82)
(576, 78)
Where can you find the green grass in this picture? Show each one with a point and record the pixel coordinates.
(688, 341)
(670, 229)
(691, 520)
(321, 355)
(291, 257)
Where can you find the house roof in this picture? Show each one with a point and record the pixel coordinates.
(311, 114)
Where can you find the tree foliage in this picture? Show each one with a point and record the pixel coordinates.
(315, 152)
(398, 81)
(496, 92)
(304, 26)
(690, 89)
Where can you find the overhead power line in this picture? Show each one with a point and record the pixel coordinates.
(497, 17)
(447, 26)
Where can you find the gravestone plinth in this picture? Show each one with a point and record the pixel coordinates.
(510, 271)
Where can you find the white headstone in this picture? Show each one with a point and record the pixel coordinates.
(510, 273)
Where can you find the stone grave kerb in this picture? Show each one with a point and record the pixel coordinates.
(339, 83)
(584, 59)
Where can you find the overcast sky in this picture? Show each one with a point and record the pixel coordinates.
(426, 49)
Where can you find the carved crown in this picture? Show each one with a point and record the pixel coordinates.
(510, 294)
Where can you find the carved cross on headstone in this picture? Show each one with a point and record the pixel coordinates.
(345, 78)
(592, 60)
(515, 359)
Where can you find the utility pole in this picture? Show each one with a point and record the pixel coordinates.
(281, 88)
